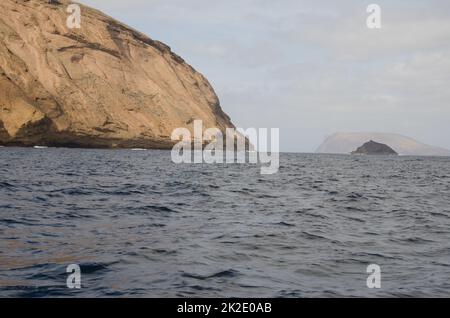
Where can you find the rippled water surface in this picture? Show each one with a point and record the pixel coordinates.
(139, 225)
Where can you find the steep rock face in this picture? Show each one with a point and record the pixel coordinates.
(374, 148)
(103, 85)
(345, 143)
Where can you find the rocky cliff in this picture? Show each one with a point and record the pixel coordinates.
(103, 85)
(374, 148)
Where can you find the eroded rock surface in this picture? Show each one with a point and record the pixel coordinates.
(103, 85)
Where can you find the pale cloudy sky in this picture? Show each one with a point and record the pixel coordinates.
(312, 67)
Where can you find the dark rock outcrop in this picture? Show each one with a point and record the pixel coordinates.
(374, 148)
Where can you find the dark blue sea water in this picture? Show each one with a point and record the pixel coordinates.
(139, 225)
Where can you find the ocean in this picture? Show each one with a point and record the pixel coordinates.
(140, 226)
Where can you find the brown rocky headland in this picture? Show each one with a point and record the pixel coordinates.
(103, 85)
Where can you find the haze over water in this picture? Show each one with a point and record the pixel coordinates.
(139, 225)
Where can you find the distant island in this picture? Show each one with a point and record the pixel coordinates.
(374, 148)
(346, 142)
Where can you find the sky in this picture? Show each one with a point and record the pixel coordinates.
(312, 67)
